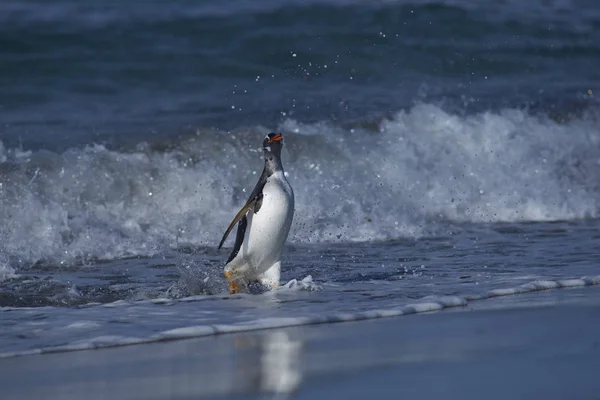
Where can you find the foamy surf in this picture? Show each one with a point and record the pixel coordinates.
(417, 172)
(6, 271)
(426, 305)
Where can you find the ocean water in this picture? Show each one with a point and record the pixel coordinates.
(440, 152)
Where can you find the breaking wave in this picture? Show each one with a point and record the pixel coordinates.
(409, 175)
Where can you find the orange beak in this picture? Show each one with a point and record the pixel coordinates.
(277, 138)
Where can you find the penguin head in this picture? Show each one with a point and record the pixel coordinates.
(273, 143)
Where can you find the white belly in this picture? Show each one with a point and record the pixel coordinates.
(268, 229)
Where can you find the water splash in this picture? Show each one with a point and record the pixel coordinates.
(6, 271)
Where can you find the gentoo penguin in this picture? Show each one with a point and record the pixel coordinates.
(263, 225)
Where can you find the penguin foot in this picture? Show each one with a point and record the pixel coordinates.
(233, 285)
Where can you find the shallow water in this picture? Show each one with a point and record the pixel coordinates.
(346, 280)
(435, 149)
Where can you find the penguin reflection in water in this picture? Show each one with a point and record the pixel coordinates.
(263, 225)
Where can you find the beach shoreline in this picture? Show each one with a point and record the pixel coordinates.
(536, 345)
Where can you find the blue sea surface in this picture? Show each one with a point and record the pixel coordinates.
(118, 73)
(436, 148)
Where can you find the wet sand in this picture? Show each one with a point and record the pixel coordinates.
(542, 345)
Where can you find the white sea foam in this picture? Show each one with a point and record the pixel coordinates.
(83, 325)
(6, 271)
(428, 304)
(304, 284)
(423, 165)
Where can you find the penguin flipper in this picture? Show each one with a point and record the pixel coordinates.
(255, 201)
(239, 238)
(241, 214)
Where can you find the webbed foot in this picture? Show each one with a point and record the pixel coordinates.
(233, 285)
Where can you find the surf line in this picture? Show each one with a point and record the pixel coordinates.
(283, 322)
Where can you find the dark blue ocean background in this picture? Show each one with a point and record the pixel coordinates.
(435, 148)
(75, 73)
